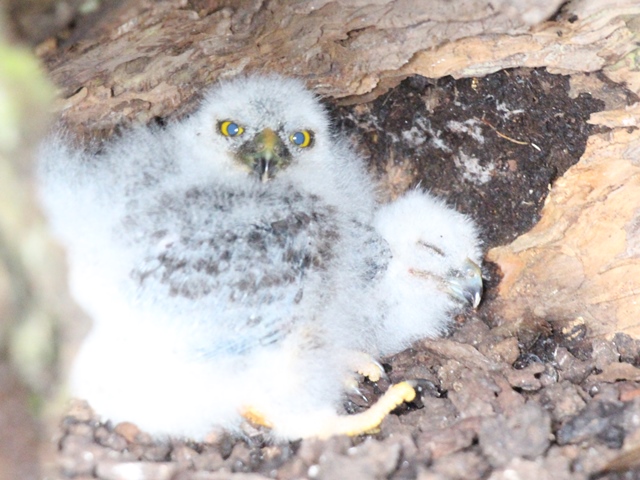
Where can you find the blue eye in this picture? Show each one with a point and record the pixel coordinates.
(302, 139)
(230, 129)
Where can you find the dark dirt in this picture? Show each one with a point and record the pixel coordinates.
(499, 402)
(492, 146)
(478, 417)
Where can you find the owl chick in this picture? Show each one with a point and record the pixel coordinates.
(236, 267)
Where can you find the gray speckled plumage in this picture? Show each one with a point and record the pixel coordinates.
(213, 290)
(198, 244)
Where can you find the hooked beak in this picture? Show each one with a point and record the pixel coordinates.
(466, 284)
(265, 154)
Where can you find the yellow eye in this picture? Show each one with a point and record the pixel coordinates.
(302, 139)
(230, 129)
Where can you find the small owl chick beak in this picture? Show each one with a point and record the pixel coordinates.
(466, 284)
(265, 154)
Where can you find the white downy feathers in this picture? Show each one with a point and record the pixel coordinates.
(236, 259)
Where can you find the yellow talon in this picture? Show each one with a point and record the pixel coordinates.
(255, 417)
(367, 366)
(372, 371)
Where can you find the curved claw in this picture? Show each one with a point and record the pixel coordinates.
(466, 284)
(356, 391)
(351, 386)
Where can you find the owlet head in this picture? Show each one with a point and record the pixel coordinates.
(264, 124)
(265, 153)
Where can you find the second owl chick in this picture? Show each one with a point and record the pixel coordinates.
(433, 271)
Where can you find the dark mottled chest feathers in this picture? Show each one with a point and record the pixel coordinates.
(250, 247)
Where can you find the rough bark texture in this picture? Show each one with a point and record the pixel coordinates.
(582, 259)
(579, 265)
(145, 59)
